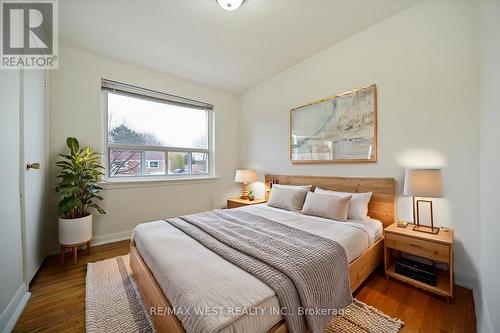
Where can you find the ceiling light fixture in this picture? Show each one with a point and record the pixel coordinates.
(230, 5)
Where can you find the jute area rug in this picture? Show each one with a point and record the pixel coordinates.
(113, 304)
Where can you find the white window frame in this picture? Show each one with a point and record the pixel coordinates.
(147, 94)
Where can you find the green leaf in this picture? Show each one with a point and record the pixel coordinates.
(66, 205)
(99, 209)
(73, 145)
(68, 157)
(64, 164)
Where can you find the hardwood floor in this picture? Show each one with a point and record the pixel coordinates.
(57, 303)
(420, 310)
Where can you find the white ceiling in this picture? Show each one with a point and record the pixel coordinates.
(199, 41)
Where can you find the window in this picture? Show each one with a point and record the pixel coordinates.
(155, 134)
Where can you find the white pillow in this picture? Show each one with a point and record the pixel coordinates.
(329, 206)
(288, 197)
(358, 206)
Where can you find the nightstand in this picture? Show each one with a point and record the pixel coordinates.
(438, 248)
(238, 202)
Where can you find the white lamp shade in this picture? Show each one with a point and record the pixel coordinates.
(245, 176)
(423, 183)
(230, 5)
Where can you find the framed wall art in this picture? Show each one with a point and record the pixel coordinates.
(342, 128)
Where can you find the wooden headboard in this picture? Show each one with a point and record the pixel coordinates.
(382, 204)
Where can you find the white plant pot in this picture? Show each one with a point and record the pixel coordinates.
(75, 231)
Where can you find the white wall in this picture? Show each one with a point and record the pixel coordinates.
(424, 62)
(488, 303)
(75, 110)
(12, 288)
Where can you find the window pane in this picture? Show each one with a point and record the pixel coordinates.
(124, 163)
(178, 163)
(136, 121)
(154, 163)
(199, 163)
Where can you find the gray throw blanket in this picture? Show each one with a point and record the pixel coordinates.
(308, 273)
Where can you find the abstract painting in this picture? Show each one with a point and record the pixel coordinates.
(342, 128)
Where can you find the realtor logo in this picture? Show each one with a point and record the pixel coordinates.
(29, 34)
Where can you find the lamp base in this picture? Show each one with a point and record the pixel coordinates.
(426, 229)
(423, 228)
(244, 191)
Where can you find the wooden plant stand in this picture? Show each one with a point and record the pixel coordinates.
(74, 248)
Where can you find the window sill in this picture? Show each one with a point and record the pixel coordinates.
(111, 184)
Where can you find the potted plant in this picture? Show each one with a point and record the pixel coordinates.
(251, 196)
(79, 191)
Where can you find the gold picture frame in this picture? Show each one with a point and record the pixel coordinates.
(337, 129)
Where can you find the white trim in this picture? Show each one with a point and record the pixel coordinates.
(152, 181)
(483, 318)
(22, 177)
(99, 240)
(111, 238)
(157, 148)
(14, 308)
(466, 280)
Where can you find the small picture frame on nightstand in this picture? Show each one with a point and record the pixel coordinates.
(402, 224)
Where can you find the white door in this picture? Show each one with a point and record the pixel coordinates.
(33, 182)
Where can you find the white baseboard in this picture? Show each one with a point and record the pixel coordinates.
(483, 319)
(99, 240)
(13, 311)
(111, 238)
(466, 280)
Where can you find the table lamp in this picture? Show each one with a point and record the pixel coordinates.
(245, 177)
(423, 183)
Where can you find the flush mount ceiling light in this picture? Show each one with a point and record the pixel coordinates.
(230, 4)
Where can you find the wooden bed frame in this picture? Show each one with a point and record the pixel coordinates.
(382, 207)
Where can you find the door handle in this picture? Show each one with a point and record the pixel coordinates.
(32, 166)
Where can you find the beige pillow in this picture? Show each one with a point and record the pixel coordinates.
(358, 206)
(328, 206)
(288, 197)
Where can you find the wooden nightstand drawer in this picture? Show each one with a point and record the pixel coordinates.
(234, 204)
(419, 247)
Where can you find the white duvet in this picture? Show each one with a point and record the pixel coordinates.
(219, 296)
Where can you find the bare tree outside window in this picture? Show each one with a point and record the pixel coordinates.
(124, 135)
(124, 163)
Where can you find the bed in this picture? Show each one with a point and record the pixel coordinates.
(208, 275)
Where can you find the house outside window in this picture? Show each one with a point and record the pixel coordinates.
(151, 134)
(152, 164)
